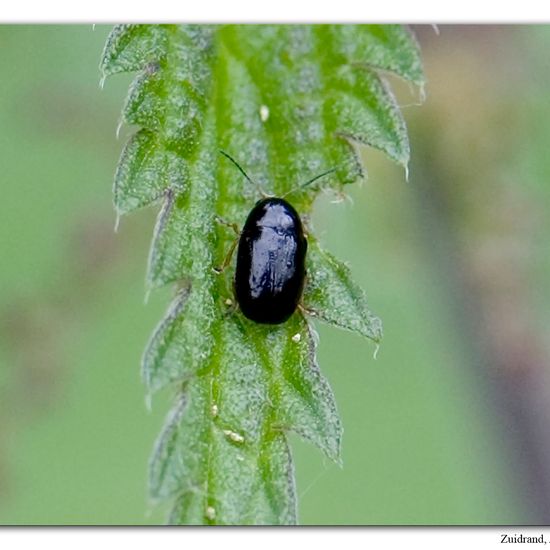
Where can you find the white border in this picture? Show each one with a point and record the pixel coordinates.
(265, 538)
(278, 11)
(340, 11)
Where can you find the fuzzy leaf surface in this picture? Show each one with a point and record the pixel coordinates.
(288, 102)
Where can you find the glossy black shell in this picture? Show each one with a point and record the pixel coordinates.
(270, 273)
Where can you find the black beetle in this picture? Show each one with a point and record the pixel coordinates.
(271, 270)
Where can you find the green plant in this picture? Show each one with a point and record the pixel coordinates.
(288, 102)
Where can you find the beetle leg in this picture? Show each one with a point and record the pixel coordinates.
(303, 309)
(228, 224)
(228, 257)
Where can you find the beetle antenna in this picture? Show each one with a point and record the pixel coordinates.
(309, 182)
(241, 170)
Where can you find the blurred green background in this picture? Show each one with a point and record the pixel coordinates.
(449, 425)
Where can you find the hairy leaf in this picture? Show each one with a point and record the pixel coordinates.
(332, 296)
(288, 102)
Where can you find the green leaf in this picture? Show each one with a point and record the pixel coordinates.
(332, 296)
(145, 172)
(288, 102)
